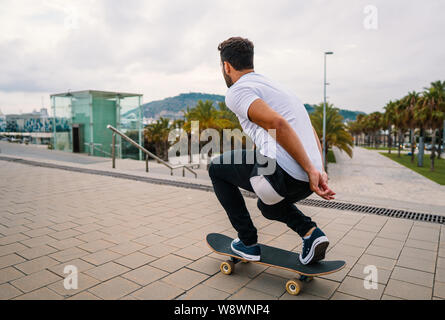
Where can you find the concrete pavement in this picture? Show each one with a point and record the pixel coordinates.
(369, 178)
(135, 240)
(373, 179)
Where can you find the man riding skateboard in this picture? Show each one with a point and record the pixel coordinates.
(261, 106)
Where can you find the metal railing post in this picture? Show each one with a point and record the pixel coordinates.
(146, 162)
(113, 149)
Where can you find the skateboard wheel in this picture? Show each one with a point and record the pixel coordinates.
(294, 286)
(227, 267)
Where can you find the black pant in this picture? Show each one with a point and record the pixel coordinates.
(228, 178)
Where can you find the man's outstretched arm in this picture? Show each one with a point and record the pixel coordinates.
(261, 114)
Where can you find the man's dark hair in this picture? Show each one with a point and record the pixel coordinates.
(238, 52)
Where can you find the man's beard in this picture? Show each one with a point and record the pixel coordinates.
(229, 81)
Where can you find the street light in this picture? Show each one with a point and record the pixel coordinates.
(324, 111)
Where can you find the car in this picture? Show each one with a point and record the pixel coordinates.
(429, 147)
(15, 140)
(407, 145)
(4, 139)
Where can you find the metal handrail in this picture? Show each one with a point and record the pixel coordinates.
(94, 146)
(148, 153)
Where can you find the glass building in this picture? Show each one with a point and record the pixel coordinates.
(82, 117)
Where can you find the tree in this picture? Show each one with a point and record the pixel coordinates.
(336, 131)
(226, 113)
(374, 125)
(388, 121)
(360, 120)
(207, 115)
(367, 129)
(354, 129)
(411, 101)
(432, 112)
(438, 89)
(399, 122)
(209, 118)
(157, 133)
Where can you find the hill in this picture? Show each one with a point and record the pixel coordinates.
(348, 115)
(171, 107)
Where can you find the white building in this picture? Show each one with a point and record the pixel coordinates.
(2, 121)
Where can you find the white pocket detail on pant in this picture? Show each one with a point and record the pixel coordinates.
(264, 190)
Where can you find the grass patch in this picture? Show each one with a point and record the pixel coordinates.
(438, 175)
(382, 148)
(331, 157)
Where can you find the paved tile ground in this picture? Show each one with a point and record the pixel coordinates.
(373, 179)
(368, 178)
(134, 240)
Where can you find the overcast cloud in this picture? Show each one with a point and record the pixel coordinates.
(163, 48)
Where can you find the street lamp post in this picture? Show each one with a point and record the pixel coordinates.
(324, 112)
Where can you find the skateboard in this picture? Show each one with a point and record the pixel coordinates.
(274, 257)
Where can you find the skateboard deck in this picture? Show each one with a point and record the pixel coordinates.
(274, 257)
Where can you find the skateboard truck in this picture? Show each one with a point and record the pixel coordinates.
(228, 266)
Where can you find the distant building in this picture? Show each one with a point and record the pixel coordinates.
(2, 122)
(36, 126)
(36, 121)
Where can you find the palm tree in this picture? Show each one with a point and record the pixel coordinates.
(209, 118)
(178, 123)
(411, 101)
(375, 124)
(354, 129)
(421, 117)
(438, 90)
(433, 110)
(360, 124)
(207, 115)
(226, 113)
(388, 120)
(399, 122)
(157, 133)
(365, 128)
(336, 133)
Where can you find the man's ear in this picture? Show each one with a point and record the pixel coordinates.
(227, 67)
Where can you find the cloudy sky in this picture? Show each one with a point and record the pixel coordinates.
(382, 49)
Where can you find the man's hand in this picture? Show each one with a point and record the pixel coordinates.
(318, 184)
(324, 175)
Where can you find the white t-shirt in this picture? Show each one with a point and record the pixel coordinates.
(252, 86)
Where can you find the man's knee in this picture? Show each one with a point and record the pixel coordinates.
(266, 210)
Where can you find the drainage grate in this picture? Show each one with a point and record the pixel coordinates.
(393, 213)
